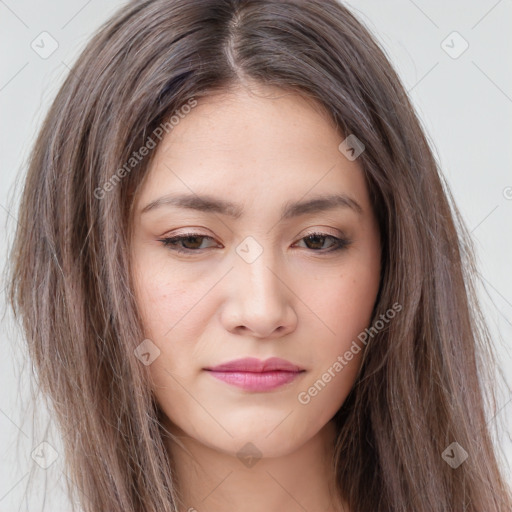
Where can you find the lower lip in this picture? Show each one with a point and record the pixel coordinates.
(251, 381)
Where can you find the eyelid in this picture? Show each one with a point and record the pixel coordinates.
(325, 231)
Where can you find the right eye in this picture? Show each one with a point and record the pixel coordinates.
(187, 243)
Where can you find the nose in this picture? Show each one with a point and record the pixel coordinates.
(260, 301)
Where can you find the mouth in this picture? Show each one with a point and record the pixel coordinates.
(251, 374)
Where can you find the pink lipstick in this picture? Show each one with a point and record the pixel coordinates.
(252, 374)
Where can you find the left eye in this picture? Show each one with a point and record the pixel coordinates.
(316, 241)
(193, 242)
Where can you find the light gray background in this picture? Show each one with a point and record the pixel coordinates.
(465, 104)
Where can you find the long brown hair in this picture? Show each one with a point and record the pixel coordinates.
(422, 385)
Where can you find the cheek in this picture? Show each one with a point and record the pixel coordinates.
(354, 301)
(173, 313)
(166, 302)
(344, 301)
(345, 307)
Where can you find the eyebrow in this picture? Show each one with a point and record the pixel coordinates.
(211, 204)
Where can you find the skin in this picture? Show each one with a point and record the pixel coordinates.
(259, 147)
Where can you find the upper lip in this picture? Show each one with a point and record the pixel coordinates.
(251, 364)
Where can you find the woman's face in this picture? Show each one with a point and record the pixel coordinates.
(279, 258)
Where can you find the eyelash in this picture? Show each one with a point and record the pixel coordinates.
(340, 243)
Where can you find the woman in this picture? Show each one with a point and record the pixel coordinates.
(240, 276)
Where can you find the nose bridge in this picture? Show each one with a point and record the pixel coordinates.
(260, 277)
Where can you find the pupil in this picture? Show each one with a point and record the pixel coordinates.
(315, 238)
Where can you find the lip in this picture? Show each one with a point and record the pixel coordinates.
(253, 374)
(253, 365)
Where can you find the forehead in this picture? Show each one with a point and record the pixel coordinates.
(243, 119)
(253, 144)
